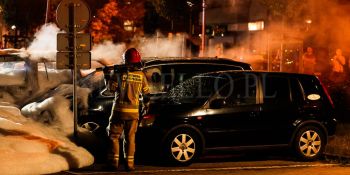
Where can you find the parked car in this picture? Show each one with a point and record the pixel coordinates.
(239, 110)
(162, 75)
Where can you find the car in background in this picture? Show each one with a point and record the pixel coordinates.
(162, 75)
(239, 110)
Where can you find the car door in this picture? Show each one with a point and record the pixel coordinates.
(233, 112)
(278, 110)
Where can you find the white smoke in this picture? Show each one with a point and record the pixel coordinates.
(108, 53)
(160, 46)
(44, 46)
(45, 43)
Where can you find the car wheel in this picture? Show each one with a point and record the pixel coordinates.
(309, 143)
(182, 147)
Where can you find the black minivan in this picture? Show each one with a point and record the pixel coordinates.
(239, 109)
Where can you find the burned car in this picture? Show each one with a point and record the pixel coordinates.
(23, 79)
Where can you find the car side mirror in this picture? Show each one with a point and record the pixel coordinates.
(217, 103)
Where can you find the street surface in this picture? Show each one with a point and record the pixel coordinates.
(231, 164)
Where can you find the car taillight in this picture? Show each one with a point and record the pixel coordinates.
(147, 120)
(327, 94)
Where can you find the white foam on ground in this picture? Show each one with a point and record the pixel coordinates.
(55, 110)
(29, 147)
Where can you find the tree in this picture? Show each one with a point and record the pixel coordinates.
(102, 24)
(177, 11)
(110, 20)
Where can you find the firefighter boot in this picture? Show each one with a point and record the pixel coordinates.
(113, 162)
(130, 163)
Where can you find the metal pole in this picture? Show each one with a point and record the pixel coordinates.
(72, 30)
(282, 46)
(203, 29)
(75, 94)
(268, 52)
(47, 11)
(281, 57)
(190, 4)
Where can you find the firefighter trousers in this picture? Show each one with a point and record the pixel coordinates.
(116, 129)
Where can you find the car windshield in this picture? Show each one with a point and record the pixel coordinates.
(12, 73)
(196, 90)
(93, 81)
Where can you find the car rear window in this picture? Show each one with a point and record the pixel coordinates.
(310, 85)
(297, 94)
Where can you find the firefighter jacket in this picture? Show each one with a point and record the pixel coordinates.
(127, 87)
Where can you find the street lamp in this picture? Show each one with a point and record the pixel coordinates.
(14, 28)
(308, 23)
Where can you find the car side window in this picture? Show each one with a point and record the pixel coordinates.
(240, 91)
(276, 90)
(195, 90)
(165, 77)
(182, 72)
(155, 79)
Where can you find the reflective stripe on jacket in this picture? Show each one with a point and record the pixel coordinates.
(133, 84)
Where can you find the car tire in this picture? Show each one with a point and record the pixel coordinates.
(309, 143)
(182, 147)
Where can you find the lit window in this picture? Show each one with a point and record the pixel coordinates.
(129, 25)
(254, 26)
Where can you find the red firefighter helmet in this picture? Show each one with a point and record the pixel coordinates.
(132, 56)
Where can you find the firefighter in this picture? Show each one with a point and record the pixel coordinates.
(128, 84)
